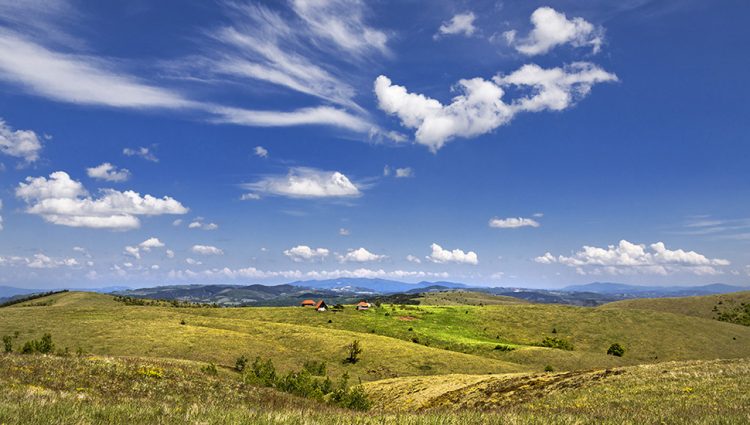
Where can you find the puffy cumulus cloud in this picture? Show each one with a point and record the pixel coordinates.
(206, 250)
(249, 197)
(261, 152)
(146, 246)
(40, 261)
(193, 262)
(169, 253)
(480, 108)
(254, 273)
(342, 231)
(108, 172)
(305, 253)
(440, 255)
(19, 143)
(551, 29)
(141, 152)
(64, 201)
(360, 255)
(462, 23)
(513, 222)
(302, 182)
(629, 258)
(404, 172)
(199, 223)
(413, 259)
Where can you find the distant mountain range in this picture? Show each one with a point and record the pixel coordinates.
(346, 290)
(640, 291)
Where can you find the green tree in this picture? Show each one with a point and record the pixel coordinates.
(353, 351)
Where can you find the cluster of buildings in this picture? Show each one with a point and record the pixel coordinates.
(322, 306)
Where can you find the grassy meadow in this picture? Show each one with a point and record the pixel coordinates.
(458, 357)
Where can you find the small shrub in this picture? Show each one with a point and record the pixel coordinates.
(330, 321)
(183, 322)
(411, 329)
(555, 342)
(501, 347)
(549, 368)
(241, 363)
(8, 343)
(315, 368)
(554, 330)
(616, 350)
(210, 369)
(353, 350)
(151, 372)
(40, 346)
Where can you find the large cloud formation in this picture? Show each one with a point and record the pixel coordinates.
(64, 201)
(480, 108)
(629, 258)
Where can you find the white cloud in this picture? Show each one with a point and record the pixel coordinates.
(142, 152)
(342, 231)
(198, 223)
(261, 151)
(169, 253)
(513, 222)
(254, 273)
(305, 253)
(303, 182)
(146, 246)
(206, 250)
(61, 200)
(177, 222)
(193, 262)
(108, 172)
(404, 172)
(413, 259)
(480, 107)
(342, 22)
(151, 243)
(19, 143)
(39, 261)
(440, 255)
(551, 29)
(1, 217)
(249, 197)
(324, 115)
(629, 258)
(360, 255)
(462, 23)
(77, 79)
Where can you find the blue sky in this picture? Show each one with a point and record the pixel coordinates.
(528, 143)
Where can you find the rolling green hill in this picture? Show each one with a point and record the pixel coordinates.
(446, 355)
(707, 307)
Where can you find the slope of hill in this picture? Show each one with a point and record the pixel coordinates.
(110, 390)
(398, 340)
(707, 307)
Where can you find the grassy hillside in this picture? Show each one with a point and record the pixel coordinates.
(398, 340)
(707, 307)
(99, 325)
(44, 389)
(467, 298)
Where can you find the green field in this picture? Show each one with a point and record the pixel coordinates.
(453, 354)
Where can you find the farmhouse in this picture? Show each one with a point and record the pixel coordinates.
(307, 303)
(321, 306)
(363, 305)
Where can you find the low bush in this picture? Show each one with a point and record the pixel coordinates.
(241, 363)
(555, 342)
(616, 350)
(315, 368)
(43, 345)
